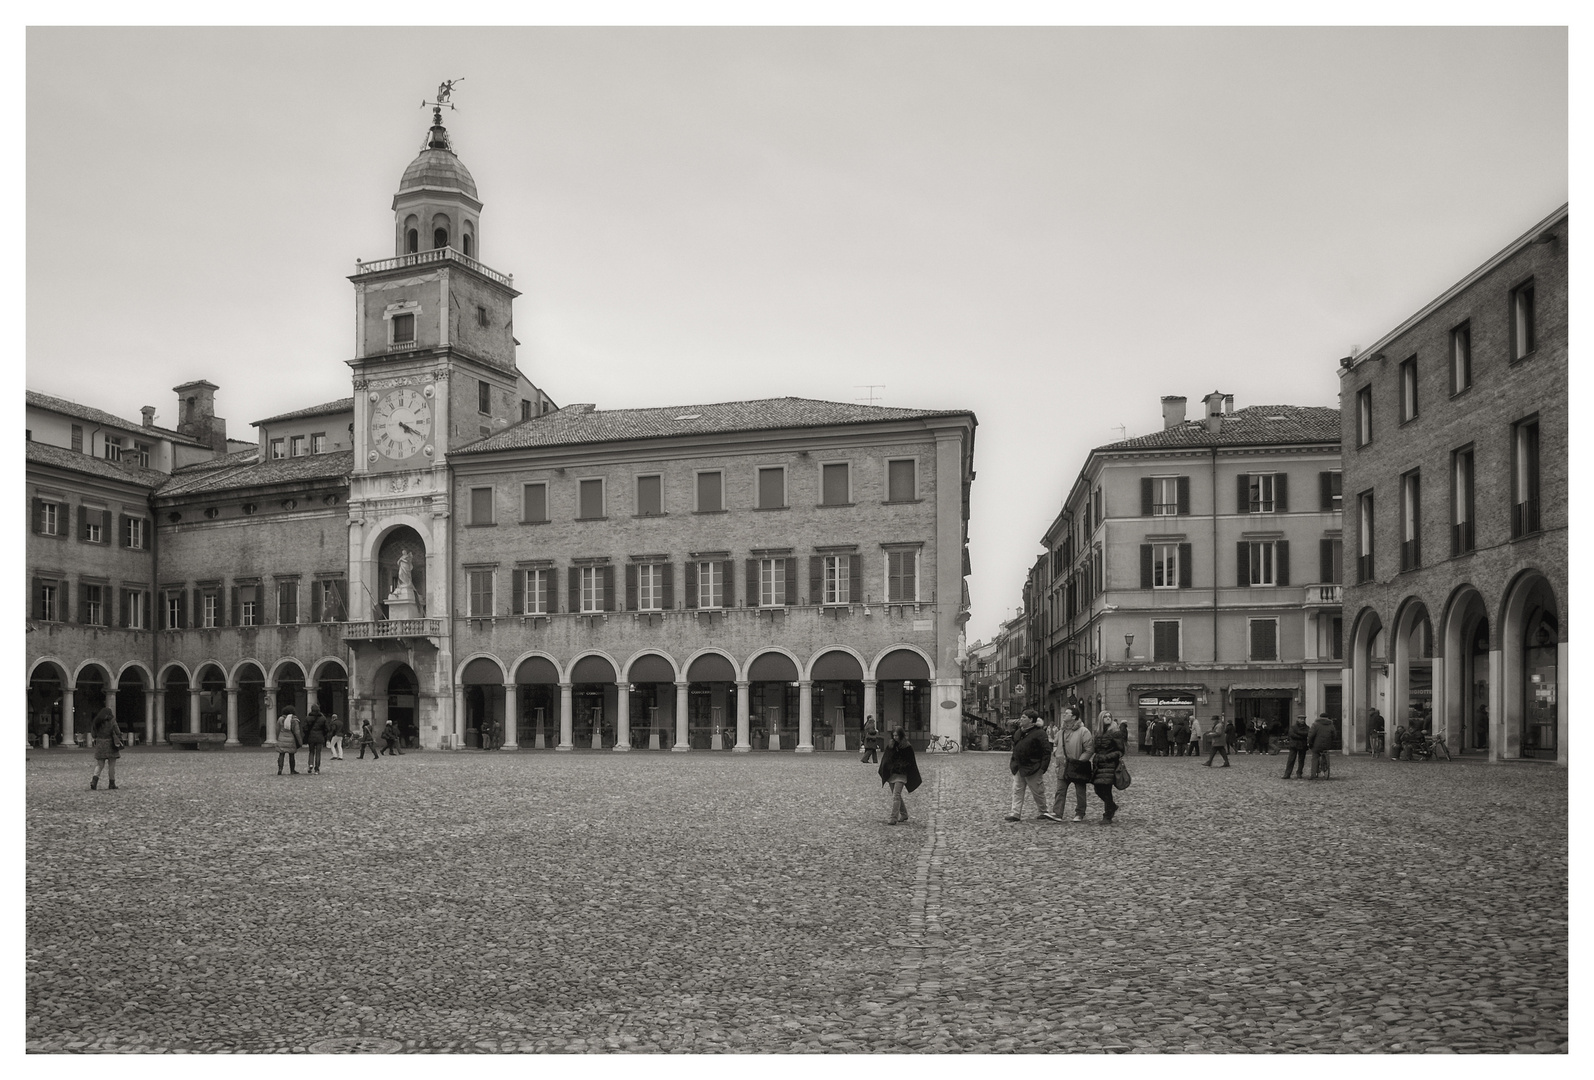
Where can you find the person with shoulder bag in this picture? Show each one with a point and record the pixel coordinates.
(289, 739)
(108, 743)
(1105, 764)
(1076, 743)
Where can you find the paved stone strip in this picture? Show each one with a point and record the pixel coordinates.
(918, 972)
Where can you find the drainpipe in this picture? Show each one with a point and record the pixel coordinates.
(1214, 479)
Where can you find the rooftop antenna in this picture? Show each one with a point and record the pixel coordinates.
(871, 387)
(1123, 432)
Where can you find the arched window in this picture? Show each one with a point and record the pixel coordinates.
(412, 242)
(465, 241)
(439, 238)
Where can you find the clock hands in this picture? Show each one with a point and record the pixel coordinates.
(407, 428)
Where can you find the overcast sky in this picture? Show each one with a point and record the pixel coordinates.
(1052, 228)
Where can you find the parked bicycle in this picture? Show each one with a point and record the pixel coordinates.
(940, 744)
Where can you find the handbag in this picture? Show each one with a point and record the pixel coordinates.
(1121, 779)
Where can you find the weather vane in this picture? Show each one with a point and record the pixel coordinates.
(445, 91)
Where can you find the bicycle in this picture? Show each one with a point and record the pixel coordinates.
(941, 744)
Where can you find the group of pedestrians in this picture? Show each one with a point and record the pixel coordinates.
(1319, 739)
(1096, 760)
(319, 731)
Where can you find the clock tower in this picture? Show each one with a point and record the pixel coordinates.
(434, 368)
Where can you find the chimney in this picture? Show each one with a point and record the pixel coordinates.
(1214, 403)
(196, 414)
(1172, 412)
(149, 415)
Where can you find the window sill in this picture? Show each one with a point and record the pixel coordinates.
(720, 511)
(899, 502)
(1525, 356)
(600, 518)
(481, 524)
(539, 521)
(1534, 535)
(833, 506)
(1409, 421)
(1462, 392)
(660, 514)
(762, 509)
(1463, 554)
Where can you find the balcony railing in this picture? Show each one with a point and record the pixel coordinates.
(1325, 594)
(1410, 554)
(1364, 568)
(392, 628)
(420, 258)
(1525, 517)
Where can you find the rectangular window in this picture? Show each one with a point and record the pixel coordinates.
(296, 446)
(287, 602)
(1165, 566)
(650, 587)
(1165, 496)
(710, 492)
(771, 488)
(481, 506)
(1408, 389)
(902, 482)
(525, 410)
(1261, 493)
(77, 438)
(902, 576)
(93, 527)
(538, 589)
(591, 496)
(650, 496)
(771, 582)
(173, 605)
(1331, 556)
(93, 604)
(141, 453)
(1364, 537)
(1460, 358)
(113, 448)
(838, 579)
(591, 585)
(710, 581)
(1364, 416)
(1165, 641)
(50, 518)
(210, 610)
(327, 600)
(481, 594)
(1462, 538)
(1264, 639)
(134, 609)
(1525, 477)
(1332, 488)
(484, 398)
(1264, 562)
(50, 602)
(534, 502)
(279, 449)
(403, 329)
(1522, 328)
(1336, 632)
(318, 442)
(836, 483)
(1411, 520)
(248, 605)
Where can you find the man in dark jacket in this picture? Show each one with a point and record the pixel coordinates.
(1032, 755)
(1299, 737)
(1220, 740)
(1322, 741)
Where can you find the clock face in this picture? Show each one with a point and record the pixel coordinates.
(401, 424)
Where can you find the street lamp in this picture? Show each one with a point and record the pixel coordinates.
(1129, 639)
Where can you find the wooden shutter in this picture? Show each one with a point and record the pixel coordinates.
(791, 596)
(83, 523)
(38, 517)
(690, 582)
(1242, 493)
(608, 588)
(105, 527)
(728, 575)
(63, 603)
(553, 591)
(1325, 559)
(1184, 494)
(82, 606)
(517, 592)
(855, 578)
(1281, 562)
(1145, 566)
(182, 609)
(816, 579)
(126, 599)
(630, 586)
(315, 601)
(145, 602)
(668, 603)
(38, 592)
(575, 590)
(1186, 571)
(1242, 564)
(235, 606)
(752, 583)
(1325, 492)
(1281, 492)
(1146, 484)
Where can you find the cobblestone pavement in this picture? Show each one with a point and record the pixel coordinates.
(706, 902)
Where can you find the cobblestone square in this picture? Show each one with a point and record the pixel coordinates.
(709, 902)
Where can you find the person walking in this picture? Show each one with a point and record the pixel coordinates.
(335, 732)
(367, 741)
(289, 738)
(1219, 734)
(1076, 743)
(1322, 741)
(1108, 752)
(1032, 753)
(315, 737)
(1159, 737)
(871, 740)
(108, 743)
(899, 770)
(1181, 736)
(390, 738)
(1299, 735)
(1375, 733)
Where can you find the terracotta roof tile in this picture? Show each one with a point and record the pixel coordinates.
(342, 405)
(100, 416)
(62, 458)
(246, 471)
(1255, 425)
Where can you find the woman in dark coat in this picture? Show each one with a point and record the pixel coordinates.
(899, 769)
(289, 739)
(316, 730)
(108, 743)
(1104, 768)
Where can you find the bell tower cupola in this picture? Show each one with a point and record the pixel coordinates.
(436, 205)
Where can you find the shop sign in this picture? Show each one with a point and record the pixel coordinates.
(1167, 701)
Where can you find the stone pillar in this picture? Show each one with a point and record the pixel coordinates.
(567, 717)
(511, 717)
(149, 717)
(1497, 717)
(460, 723)
(1354, 738)
(160, 716)
(869, 708)
(1441, 722)
(622, 716)
(269, 704)
(193, 709)
(682, 701)
(1563, 685)
(805, 717)
(232, 716)
(744, 741)
(68, 720)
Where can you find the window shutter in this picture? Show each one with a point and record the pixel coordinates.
(105, 527)
(855, 579)
(1186, 571)
(691, 584)
(1281, 562)
(38, 517)
(1325, 559)
(1145, 496)
(630, 586)
(608, 588)
(791, 596)
(63, 602)
(752, 583)
(816, 579)
(83, 523)
(126, 600)
(38, 591)
(1145, 566)
(669, 587)
(1242, 496)
(1281, 493)
(728, 575)
(553, 591)
(575, 590)
(517, 592)
(1242, 564)
(145, 602)
(234, 606)
(315, 601)
(182, 609)
(82, 606)
(1184, 494)
(1325, 492)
